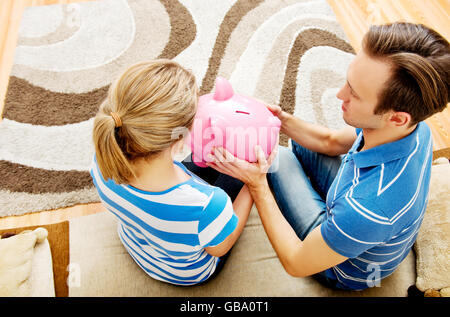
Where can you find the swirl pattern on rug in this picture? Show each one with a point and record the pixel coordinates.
(293, 53)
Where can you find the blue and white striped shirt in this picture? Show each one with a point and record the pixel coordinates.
(375, 207)
(166, 232)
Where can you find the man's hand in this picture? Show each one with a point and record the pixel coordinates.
(278, 112)
(251, 174)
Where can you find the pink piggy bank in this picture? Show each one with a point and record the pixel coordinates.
(232, 121)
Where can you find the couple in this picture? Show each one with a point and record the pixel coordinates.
(343, 206)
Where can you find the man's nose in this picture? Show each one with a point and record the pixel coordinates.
(341, 94)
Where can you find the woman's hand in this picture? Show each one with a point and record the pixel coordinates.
(251, 174)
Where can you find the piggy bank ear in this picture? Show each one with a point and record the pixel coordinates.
(223, 89)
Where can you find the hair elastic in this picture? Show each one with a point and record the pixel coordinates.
(117, 120)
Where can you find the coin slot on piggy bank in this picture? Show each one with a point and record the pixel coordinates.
(234, 121)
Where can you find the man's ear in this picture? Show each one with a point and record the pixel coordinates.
(399, 118)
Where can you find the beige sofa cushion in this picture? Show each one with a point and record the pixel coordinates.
(26, 265)
(100, 266)
(433, 242)
(41, 277)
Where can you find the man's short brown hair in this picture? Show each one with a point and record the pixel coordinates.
(420, 61)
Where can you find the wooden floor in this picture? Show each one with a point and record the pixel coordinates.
(355, 17)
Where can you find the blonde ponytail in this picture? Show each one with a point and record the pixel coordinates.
(144, 106)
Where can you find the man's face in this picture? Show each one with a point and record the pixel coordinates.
(366, 77)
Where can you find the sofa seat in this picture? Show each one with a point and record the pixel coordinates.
(100, 266)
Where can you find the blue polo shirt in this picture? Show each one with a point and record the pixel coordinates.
(375, 207)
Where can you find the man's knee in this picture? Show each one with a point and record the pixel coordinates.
(301, 152)
(283, 166)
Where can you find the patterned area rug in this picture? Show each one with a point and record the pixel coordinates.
(292, 52)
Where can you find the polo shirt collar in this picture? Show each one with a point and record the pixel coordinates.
(385, 152)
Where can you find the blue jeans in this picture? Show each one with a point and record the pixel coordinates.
(300, 180)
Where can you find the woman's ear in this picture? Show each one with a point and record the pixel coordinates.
(177, 147)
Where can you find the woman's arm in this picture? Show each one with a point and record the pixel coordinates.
(242, 206)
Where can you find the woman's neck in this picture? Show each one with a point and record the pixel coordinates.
(158, 173)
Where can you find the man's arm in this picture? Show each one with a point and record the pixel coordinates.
(317, 138)
(299, 258)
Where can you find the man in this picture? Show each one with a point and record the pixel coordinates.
(349, 203)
